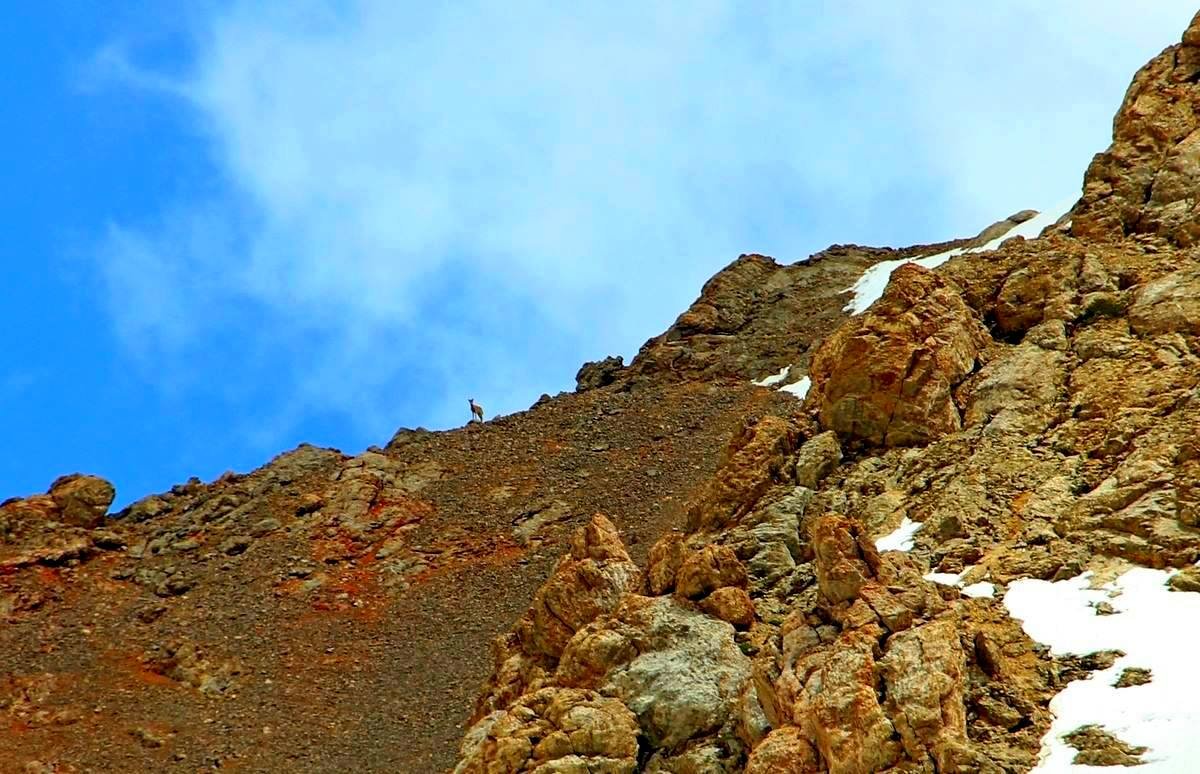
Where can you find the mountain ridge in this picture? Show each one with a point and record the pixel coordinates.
(674, 568)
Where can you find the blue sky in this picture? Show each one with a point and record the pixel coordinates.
(232, 227)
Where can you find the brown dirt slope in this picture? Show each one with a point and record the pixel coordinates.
(332, 613)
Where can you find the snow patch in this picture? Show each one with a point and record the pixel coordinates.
(902, 538)
(1155, 628)
(870, 286)
(977, 590)
(980, 590)
(946, 578)
(799, 389)
(767, 381)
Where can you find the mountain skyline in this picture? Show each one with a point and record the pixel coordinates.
(236, 231)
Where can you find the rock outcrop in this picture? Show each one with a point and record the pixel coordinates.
(889, 377)
(1027, 413)
(1146, 183)
(600, 373)
(779, 583)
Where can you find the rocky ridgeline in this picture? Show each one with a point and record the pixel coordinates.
(1035, 410)
(777, 584)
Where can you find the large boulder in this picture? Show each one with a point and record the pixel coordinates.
(839, 710)
(1169, 304)
(817, 458)
(845, 557)
(711, 568)
(84, 500)
(924, 672)
(887, 377)
(1016, 393)
(599, 373)
(680, 671)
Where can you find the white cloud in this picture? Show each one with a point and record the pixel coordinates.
(430, 201)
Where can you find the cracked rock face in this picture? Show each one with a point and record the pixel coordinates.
(554, 730)
(888, 377)
(1030, 413)
(1147, 181)
(1024, 414)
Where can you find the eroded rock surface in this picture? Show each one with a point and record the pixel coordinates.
(1030, 412)
(888, 377)
(1147, 181)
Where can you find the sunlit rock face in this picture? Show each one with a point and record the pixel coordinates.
(888, 376)
(1000, 442)
(1147, 182)
(843, 531)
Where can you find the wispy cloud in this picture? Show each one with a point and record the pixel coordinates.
(416, 202)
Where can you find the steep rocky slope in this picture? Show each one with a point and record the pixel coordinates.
(331, 612)
(681, 567)
(1005, 439)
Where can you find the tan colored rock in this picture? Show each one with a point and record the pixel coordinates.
(1039, 291)
(147, 508)
(1018, 392)
(680, 671)
(887, 376)
(1146, 182)
(31, 510)
(553, 730)
(514, 672)
(711, 758)
(784, 750)
(83, 500)
(839, 710)
(706, 570)
(924, 673)
(666, 555)
(817, 458)
(730, 604)
(1169, 304)
(845, 557)
(755, 459)
(587, 582)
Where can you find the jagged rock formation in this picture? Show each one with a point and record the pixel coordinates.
(1033, 410)
(888, 379)
(1146, 182)
(777, 583)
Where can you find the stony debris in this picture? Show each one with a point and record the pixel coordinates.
(1099, 747)
(1027, 417)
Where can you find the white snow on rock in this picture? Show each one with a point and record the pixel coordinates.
(870, 286)
(901, 539)
(799, 389)
(767, 381)
(946, 578)
(982, 589)
(1156, 629)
